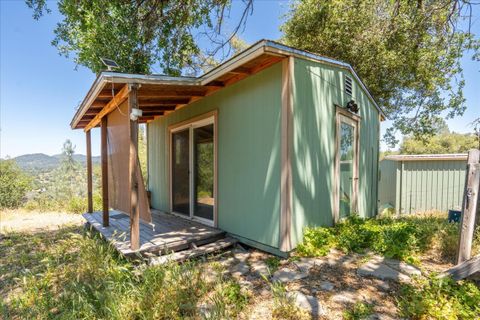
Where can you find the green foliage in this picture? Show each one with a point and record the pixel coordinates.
(440, 298)
(272, 263)
(360, 310)
(283, 305)
(407, 52)
(441, 143)
(138, 34)
(14, 184)
(316, 241)
(402, 238)
(70, 274)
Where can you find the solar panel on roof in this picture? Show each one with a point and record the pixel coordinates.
(109, 63)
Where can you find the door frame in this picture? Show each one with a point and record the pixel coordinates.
(190, 124)
(345, 116)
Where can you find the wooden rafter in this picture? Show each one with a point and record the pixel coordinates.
(115, 102)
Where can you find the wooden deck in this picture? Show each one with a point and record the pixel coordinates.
(165, 234)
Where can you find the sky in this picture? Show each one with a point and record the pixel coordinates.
(39, 89)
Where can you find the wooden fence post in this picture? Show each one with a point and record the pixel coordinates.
(89, 172)
(469, 206)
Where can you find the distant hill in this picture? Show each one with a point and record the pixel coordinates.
(43, 162)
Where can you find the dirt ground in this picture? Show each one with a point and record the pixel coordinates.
(31, 221)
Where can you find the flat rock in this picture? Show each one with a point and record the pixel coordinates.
(327, 286)
(403, 267)
(239, 269)
(305, 264)
(260, 268)
(381, 271)
(287, 275)
(344, 297)
(308, 303)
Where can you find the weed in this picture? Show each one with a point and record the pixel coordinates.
(360, 310)
(272, 263)
(440, 298)
(283, 305)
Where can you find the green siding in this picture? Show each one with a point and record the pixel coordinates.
(248, 155)
(317, 88)
(422, 185)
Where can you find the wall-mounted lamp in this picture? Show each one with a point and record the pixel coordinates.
(352, 106)
(135, 114)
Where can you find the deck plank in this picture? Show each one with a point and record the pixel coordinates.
(166, 233)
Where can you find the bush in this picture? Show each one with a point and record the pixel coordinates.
(14, 184)
(401, 238)
(440, 298)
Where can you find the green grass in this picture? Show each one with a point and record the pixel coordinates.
(403, 238)
(440, 298)
(73, 274)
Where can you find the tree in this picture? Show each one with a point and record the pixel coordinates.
(14, 184)
(442, 143)
(407, 52)
(141, 33)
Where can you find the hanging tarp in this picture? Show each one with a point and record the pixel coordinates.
(118, 145)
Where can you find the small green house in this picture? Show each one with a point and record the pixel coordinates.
(269, 142)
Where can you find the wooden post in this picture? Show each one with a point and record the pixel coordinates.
(89, 171)
(469, 206)
(104, 171)
(134, 208)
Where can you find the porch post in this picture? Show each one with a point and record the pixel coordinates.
(134, 208)
(89, 171)
(104, 171)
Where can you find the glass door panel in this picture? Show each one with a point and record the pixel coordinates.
(347, 167)
(181, 172)
(203, 168)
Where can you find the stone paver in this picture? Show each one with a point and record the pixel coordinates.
(259, 267)
(305, 264)
(344, 297)
(308, 303)
(288, 275)
(381, 271)
(327, 286)
(239, 269)
(403, 267)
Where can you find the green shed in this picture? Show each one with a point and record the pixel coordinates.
(269, 142)
(420, 183)
(285, 144)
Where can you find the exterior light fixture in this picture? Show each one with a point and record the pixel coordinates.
(352, 106)
(135, 114)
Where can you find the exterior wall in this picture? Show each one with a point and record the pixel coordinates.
(317, 88)
(387, 184)
(424, 185)
(248, 155)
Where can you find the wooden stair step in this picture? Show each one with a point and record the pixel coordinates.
(193, 253)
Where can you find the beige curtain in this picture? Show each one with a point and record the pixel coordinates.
(118, 142)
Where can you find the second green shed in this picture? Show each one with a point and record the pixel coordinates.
(419, 183)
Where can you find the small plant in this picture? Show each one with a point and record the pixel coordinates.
(316, 241)
(283, 305)
(360, 310)
(272, 263)
(440, 298)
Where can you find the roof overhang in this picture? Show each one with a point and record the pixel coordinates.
(159, 95)
(427, 157)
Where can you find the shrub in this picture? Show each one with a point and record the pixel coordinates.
(402, 238)
(440, 298)
(14, 184)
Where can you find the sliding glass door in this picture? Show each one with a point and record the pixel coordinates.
(193, 170)
(181, 172)
(203, 168)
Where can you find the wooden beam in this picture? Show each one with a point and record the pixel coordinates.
(111, 105)
(89, 172)
(469, 206)
(285, 244)
(104, 153)
(171, 92)
(241, 70)
(162, 102)
(464, 269)
(134, 207)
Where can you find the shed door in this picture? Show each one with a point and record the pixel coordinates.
(347, 166)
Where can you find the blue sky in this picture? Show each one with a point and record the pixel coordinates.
(40, 89)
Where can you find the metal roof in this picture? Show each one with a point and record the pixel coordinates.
(424, 157)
